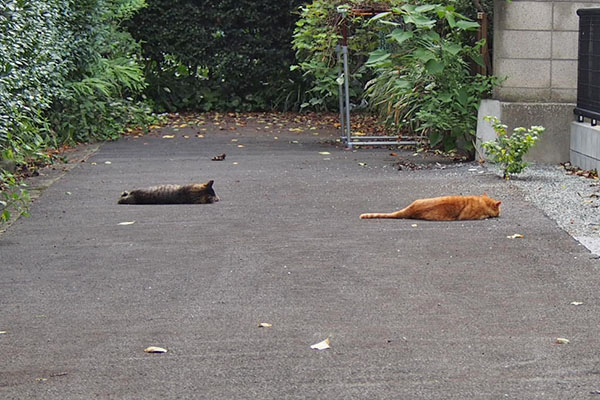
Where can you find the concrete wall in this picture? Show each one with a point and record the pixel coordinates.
(535, 49)
(553, 146)
(585, 146)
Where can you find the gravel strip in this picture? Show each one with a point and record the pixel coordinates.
(570, 200)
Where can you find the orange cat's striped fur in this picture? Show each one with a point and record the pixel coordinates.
(447, 208)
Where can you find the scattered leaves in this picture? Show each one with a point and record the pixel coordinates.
(155, 349)
(321, 345)
(573, 170)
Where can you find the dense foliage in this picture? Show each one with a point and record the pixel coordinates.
(414, 60)
(68, 73)
(207, 54)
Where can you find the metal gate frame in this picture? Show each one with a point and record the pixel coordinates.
(344, 97)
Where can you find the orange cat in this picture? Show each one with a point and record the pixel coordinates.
(447, 208)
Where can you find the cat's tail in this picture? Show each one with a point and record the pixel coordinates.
(394, 215)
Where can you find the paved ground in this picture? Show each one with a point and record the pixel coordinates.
(413, 309)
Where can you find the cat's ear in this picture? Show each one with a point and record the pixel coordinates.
(498, 203)
(484, 194)
(209, 183)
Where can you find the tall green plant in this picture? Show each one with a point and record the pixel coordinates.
(423, 81)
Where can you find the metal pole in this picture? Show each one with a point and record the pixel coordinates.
(347, 94)
(340, 92)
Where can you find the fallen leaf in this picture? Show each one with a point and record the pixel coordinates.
(240, 145)
(295, 141)
(576, 303)
(127, 223)
(515, 236)
(235, 163)
(414, 225)
(199, 135)
(265, 325)
(321, 345)
(68, 193)
(561, 340)
(186, 136)
(362, 164)
(324, 153)
(3, 332)
(168, 136)
(107, 162)
(234, 140)
(219, 157)
(154, 349)
(296, 130)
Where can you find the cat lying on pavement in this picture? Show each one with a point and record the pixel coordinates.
(447, 208)
(196, 193)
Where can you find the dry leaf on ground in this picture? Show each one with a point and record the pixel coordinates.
(155, 349)
(515, 236)
(219, 157)
(168, 136)
(561, 340)
(265, 325)
(321, 345)
(127, 223)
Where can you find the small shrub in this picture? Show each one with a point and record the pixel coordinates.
(510, 150)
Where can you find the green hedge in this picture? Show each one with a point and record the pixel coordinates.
(217, 54)
(68, 73)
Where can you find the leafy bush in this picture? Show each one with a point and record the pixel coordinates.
(207, 54)
(424, 81)
(103, 91)
(510, 150)
(415, 62)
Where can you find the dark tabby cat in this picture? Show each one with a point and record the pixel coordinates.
(196, 193)
(447, 208)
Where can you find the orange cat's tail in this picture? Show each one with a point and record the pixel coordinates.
(394, 215)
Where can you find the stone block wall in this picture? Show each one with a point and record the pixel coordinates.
(535, 48)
